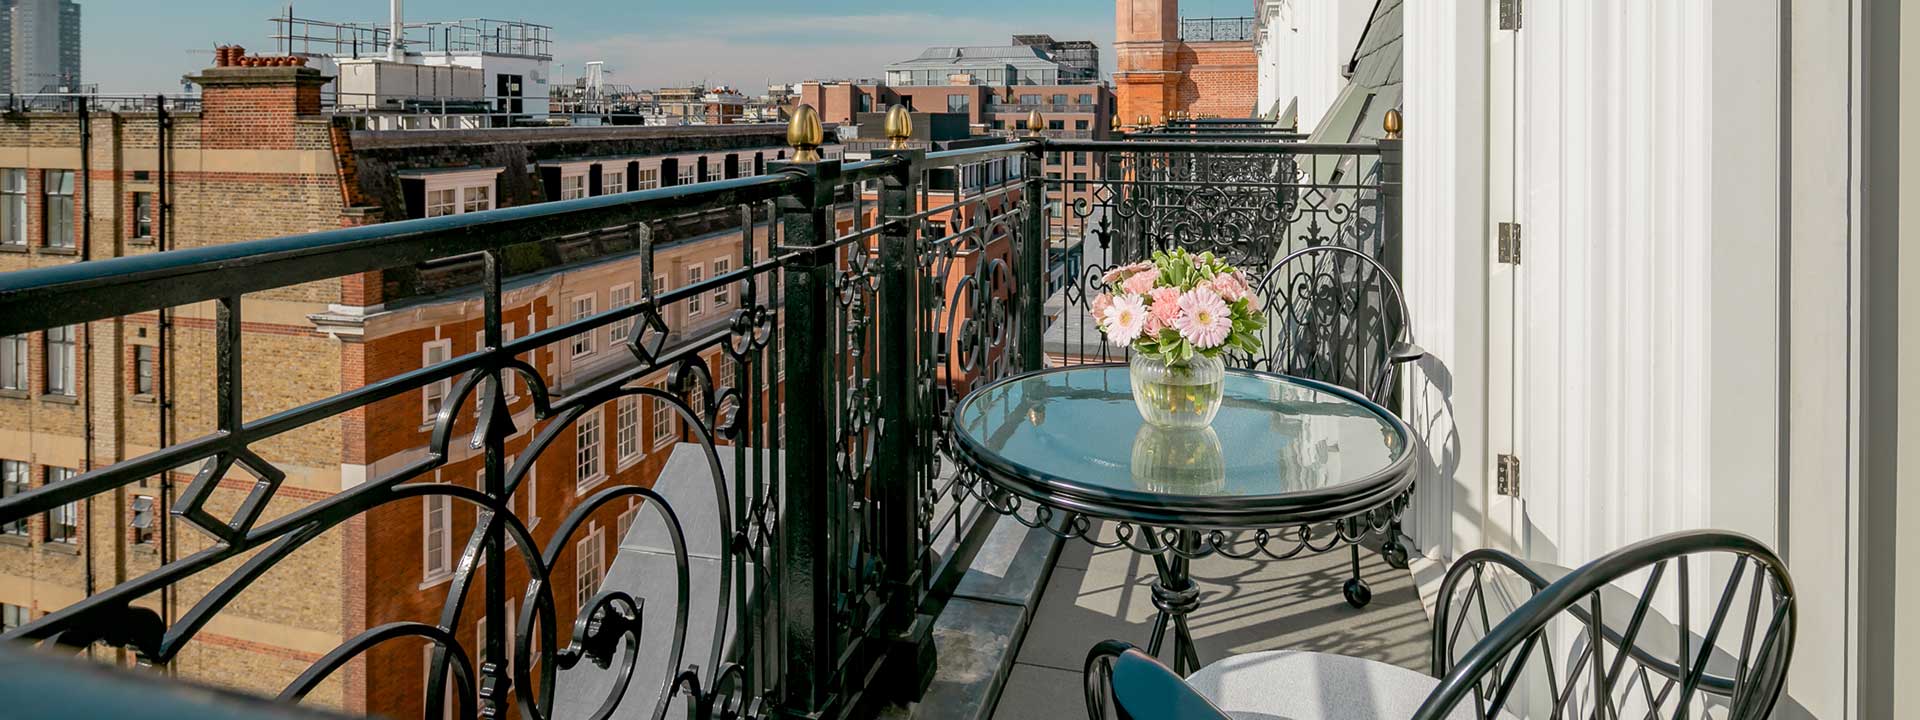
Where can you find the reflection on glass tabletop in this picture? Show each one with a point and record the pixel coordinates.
(1274, 436)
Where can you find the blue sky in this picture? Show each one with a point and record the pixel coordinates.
(146, 45)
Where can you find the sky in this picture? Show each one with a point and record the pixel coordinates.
(144, 46)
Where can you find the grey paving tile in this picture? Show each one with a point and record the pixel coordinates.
(974, 640)
(1035, 692)
(1010, 564)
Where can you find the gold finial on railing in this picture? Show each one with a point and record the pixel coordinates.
(899, 127)
(1035, 122)
(804, 134)
(1392, 124)
(1115, 124)
(1143, 120)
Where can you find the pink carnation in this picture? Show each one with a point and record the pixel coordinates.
(1165, 305)
(1229, 286)
(1204, 318)
(1100, 304)
(1141, 283)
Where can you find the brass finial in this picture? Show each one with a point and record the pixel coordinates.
(1035, 122)
(1142, 121)
(1115, 125)
(1392, 124)
(805, 134)
(899, 127)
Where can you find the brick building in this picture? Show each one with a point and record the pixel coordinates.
(261, 159)
(1161, 72)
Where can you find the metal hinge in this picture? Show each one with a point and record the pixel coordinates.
(1507, 476)
(1509, 243)
(1509, 14)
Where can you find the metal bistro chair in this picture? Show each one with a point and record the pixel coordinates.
(1336, 315)
(1539, 661)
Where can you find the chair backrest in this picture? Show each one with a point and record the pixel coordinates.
(1334, 314)
(1551, 658)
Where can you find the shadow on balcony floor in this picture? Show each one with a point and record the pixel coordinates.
(1248, 605)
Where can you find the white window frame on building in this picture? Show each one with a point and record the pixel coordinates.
(16, 477)
(695, 274)
(61, 354)
(589, 451)
(613, 178)
(627, 448)
(13, 616)
(663, 421)
(579, 307)
(455, 192)
(624, 524)
(689, 170)
(57, 208)
(722, 296)
(619, 296)
(13, 207)
(63, 522)
(648, 177)
(13, 362)
(588, 565)
(436, 521)
(573, 186)
(143, 216)
(434, 394)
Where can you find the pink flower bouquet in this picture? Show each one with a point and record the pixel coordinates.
(1180, 305)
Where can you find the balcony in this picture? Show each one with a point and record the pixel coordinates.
(1218, 29)
(811, 546)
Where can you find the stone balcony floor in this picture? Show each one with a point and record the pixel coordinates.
(1248, 605)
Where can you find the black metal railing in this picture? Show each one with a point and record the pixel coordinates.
(870, 296)
(1217, 29)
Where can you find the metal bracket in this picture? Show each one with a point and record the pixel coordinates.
(1509, 243)
(1507, 475)
(1510, 14)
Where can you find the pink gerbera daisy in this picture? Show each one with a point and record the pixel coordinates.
(1204, 319)
(1126, 319)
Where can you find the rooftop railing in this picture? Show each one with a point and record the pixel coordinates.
(828, 522)
(1217, 29)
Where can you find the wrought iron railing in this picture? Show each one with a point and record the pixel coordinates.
(1217, 29)
(870, 297)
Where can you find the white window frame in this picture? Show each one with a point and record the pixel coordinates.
(14, 350)
(627, 448)
(436, 565)
(13, 207)
(689, 171)
(582, 343)
(533, 496)
(60, 357)
(663, 422)
(619, 296)
(436, 392)
(588, 566)
(613, 179)
(573, 186)
(448, 701)
(70, 511)
(16, 477)
(67, 235)
(695, 273)
(624, 524)
(722, 295)
(727, 369)
(648, 178)
(589, 451)
(442, 202)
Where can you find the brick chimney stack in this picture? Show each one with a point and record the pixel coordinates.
(255, 105)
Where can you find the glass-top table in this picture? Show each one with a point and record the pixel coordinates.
(1288, 466)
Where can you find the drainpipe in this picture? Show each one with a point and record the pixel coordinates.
(86, 333)
(163, 403)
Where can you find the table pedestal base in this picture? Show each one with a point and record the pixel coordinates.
(1176, 595)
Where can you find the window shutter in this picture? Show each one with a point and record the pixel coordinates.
(633, 175)
(669, 172)
(414, 192)
(701, 175)
(593, 180)
(732, 166)
(550, 182)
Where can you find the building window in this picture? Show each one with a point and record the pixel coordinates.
(1083, 99)
(59, 208)
(613, 182)
(13, 207)
(436, 538)
(143, 216)
(1059, 99)
(587, 568)
(573, 187)
(959, 103)
(142, 523)
(13, 481)
(443, 202)
(143, 369)
(586, 455)
(720, 294)
(648, 179)
(626, 518)
(618, 298)
(626, 430)
(1079, 124)
(13, 362)
(689, 174)
(1029, 99)
(728, 369)
(476, 198)
(12, 616)
(663, 418)
(583, 341)
(694, 276)
(1056, 124)
(60, 360)
(434, 394)
(63, 523)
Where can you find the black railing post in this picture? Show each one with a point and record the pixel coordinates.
(1389, 179)
(807, 569)
(898, 463)
(1031, 254)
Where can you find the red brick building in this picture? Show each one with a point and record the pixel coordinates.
(1159, 73)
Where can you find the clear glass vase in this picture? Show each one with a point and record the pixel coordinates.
(1179, 461)
(1177, 396)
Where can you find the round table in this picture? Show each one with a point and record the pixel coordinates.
(1288, 466)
